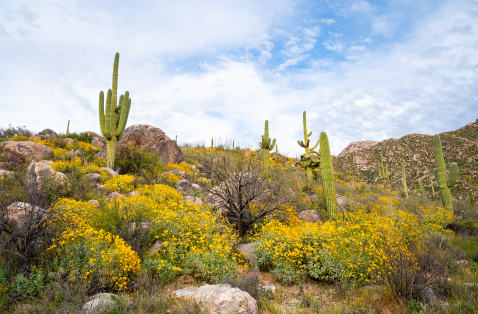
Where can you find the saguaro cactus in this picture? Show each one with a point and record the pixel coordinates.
(212, 143)
(306, 160)
(420, 189)
(266, 145)
(471, 200)
(433, 189)
(383, 172)
(442, 182)
(327, 174)
(404, 189)
(113, 121)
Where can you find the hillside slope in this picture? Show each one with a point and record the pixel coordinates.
(417, 153)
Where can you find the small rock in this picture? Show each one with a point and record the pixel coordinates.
(143, 226)
(93, 177)
(194, 200)
(183, 185)
(157, 246)
(185, 293)
(199, 166)
(133, 193)
(266, 289)
(110, 171)
(100, 302)
(185, 279)
(101, 188)
(309, 215)
(5, 173)
(196, 187)
(463, 262)
(94, 202)
(114, 195)
(68, 141)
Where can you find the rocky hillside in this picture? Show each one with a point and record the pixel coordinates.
(417, 153)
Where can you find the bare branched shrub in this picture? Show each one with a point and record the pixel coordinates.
(244, 192)
(413, 275)
(248, 282)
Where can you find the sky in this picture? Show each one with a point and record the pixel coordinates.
(362, 70)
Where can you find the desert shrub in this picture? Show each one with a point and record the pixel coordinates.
(346, 250)
(120, 183)
(169, 179)
(12, 131)
(97, 255)
(83, 137)
(28, 285)
(19, 138)
(248, 282)
(76, 164)
(138, 162)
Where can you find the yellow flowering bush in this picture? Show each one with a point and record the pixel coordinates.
(352, 249)
(170, 179)
(99, 256)
(69, 166)
(120, 183)
(182, 167)
(19, 138)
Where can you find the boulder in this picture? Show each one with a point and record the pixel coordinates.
(196, 187)
(194, 200)
(185, 279)
(46, 133)
(151, 139)
(94, 178)
(309, 215)
(20, 213)
(99, 303)
(94, 202)
(157, 246)
(20, 152)
(114, 195)
(110, 171)
(220, 299)
(68, 141)
(38, 172)
(183, 185)
(98, 140)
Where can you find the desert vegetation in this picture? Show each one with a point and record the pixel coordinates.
(299, 236)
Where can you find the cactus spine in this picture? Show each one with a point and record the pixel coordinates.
(443, 183)
(113, 121)
(404, 189)
(306, 160)
(327, 174)
(420, 189)
(266, 145)
(471, 200)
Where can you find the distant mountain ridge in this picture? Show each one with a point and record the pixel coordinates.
(417, 153)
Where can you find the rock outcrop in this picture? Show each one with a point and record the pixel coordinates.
(38, 172)
(151, 139)
(355, 146)
(220, 299)
(46, 133)
(20, 213)
(20, 152)
(98, 140)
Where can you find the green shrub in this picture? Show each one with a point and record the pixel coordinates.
(138, 162)
(81, 137)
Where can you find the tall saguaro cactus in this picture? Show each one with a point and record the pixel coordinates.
(442, 182)
(420, 189)
(266, 145)
(113, 121)
(327, 174)
(471, 200)
(404, 189)
(306, 160)
(383, 172)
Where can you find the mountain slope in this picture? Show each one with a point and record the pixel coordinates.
(417, 153)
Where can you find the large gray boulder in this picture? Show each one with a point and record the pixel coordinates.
(98, 140)
(20, 152)
(220, 299)
(38, 172)
(46, 133)
(20, 213)
(151, 139)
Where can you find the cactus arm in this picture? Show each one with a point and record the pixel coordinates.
(315, 146)
(308, 135)
(273, 144)
(124, 117)
(453, 175)
(102, 112)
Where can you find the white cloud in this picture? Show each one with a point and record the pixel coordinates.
(327, 21)
(312, 32)
(360, 6)
(333, 45)
(358, 48)
(366, 40)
